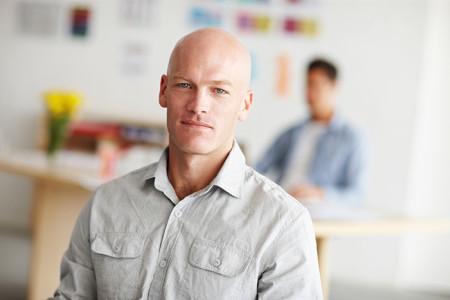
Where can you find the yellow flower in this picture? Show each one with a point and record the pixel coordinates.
(72, 101)
(62, 103)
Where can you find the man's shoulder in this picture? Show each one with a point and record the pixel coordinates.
(266, 192)
(128, 182)
(269, 206)
(348, 131)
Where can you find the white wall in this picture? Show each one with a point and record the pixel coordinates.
(381, 47)
(425, 263)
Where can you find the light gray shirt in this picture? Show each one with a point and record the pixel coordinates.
(241, 237)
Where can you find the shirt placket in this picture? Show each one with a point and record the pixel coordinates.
(168, 244)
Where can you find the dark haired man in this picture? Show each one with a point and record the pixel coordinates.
(322, 158)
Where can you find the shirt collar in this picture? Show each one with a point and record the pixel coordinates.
(230, 177)
(158, 172)
(158, 168)
(335, 123)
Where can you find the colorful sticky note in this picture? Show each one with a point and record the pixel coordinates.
(205, 17)
(255, 62)
(245, 21)
(283, 62)
(309, 27)
(262, 23)
(80, 21)
(290, 25)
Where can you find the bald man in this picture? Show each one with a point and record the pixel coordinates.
(199, 223)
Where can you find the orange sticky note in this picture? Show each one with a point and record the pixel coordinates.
(283, 74)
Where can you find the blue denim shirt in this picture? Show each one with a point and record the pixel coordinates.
(241, 237)
(340, 164)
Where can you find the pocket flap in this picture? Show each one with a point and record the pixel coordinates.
(120, 245)
(218, 258)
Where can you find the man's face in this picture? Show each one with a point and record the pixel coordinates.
(319, 91)
(205, 95)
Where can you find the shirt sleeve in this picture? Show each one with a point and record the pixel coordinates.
(77, 280)
(291, 268)
(354, 179)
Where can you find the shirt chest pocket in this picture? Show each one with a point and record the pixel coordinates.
(117, 261)
(215, 271)
(217, 258)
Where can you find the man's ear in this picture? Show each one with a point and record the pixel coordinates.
(163, 91)
(246, 106)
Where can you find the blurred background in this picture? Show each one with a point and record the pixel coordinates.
(394, 62)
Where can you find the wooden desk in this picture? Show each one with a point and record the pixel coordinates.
(325, 230)
(61, 192)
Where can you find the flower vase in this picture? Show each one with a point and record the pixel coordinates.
(61, 107)
(57, 134)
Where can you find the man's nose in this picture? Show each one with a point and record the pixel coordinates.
(199, 104)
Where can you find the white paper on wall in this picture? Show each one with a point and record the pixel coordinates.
(38, 19)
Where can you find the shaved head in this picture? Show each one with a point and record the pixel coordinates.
(206, 92)
(218, 46)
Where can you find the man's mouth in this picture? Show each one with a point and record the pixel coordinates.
(196, 124)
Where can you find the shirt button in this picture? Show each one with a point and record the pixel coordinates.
(163, 264)
(178, 213)
(116, 248)
(216, 262)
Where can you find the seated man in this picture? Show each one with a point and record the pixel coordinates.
(322, 158)
(200, 223)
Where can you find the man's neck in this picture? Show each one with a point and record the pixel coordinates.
(323, 117)
(189, 173)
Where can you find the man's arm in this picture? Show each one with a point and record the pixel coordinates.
(353, 184)
(290, 267)
(307, 193)
(77, 271)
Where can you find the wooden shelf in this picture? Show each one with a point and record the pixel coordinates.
(35, 164)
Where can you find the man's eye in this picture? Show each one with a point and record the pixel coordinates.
(184, 85)
(220, 91)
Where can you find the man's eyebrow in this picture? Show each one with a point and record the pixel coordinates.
(215, 82)
(180, 76)
(221, 82)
